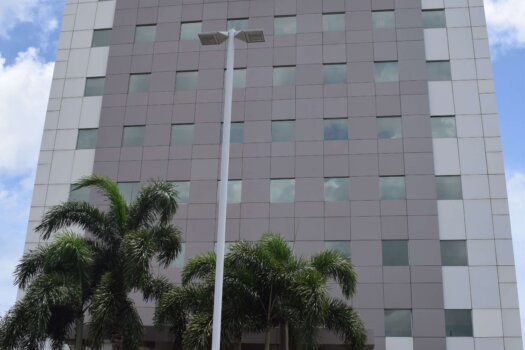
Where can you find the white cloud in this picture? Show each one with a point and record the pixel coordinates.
(506, 24)
(24, 91)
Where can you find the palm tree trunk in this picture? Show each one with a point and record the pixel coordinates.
(285, 337)
(79, 333)
(267, 339)
(116, 341)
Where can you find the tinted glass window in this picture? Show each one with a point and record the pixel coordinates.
(87, 138)
(282, 191)
(443, 127)
(283, 130)
(438, 70)
(80, 195)
(145, 34)
(398, 323)
(133, 136)
(94, 86)
(336, 189)
(340, 246)
(237, 133)
(336, 129)
(385, 72)
(448, 187)
(395, 253)
(458, 323)
(434, 19)
(283, 76)
(334, 22)
(454, 253)
(392, 187)
(183, 191)
(185, 81)
(238, 24)
(234, 191)
(182, 134)
(389, 128)
(101, 37)
(383, 20)
(139, 82)
(190, 30)
(239, 78)
(334, 74)
(129, 190)
(284, 25)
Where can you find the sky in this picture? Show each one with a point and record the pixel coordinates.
(28, 34)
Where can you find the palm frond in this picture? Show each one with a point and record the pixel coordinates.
(168, 243)
(333, 264)
(345, 321)
(137, 250)
(155, 202)
(153, 288)
(31, 264)
(199, 267)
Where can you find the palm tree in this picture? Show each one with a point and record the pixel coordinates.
(126, 239)
(268, 287)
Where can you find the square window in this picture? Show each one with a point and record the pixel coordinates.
(190, 30)
(101, 37)
(398, 323)
(283, 130)
(454, 253)
(443, 127)
(182, 134)
(434, 19)
(334, 22)
(183, 191)
(87, 138)
(239, 78)
(336, 189)
(94, 86)
(237, 23)
(395, 253)
(458, 323)
(340, 246)
(389, 128)
(178, 262)
(234, 191)
(145, 34)
(283, 76)
(129, 190)
(186, 81)
(383, 20)
(284, 25)
(139, 83)
(385, 72)
(392, 187)
(80, 195)
(438, 70)
(448, 187)
(282, 191)
(334, 73)
(336, 129)
(133, 136)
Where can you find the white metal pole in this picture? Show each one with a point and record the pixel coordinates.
(223, 192)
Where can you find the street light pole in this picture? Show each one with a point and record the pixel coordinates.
(217, 38)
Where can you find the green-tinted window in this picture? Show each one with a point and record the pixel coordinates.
(282, 191)
(398, 323)
(385, 72)
(283, 76)
(182, 134)
(238, 23)
(178, 262)
(190, 30)
(284, 25)
(395, 253)
(234, 191)
(186, 81)
(448, 187)
(383, 20)
(94, 86)
(334, 22)
(133, 136)
(336, 129)
(340, 246)
(283, 130)
(101, 37)
(129, 190)
(183, 191)
(237, 132)
(434, 19)
(454, 253)
(389, 128)
(336, 189)
(438, 70)
(443, 127)
(334, 73)
(239, 78)
(87, 138)
(392, 187)
(145, 34)
(80, 195)
(139, 83)
(458, 323)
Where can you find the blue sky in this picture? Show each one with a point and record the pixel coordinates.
(28, 33)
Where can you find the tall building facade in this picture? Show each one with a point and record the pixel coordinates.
(367, 126)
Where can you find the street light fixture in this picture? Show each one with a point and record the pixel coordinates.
(217, 38)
